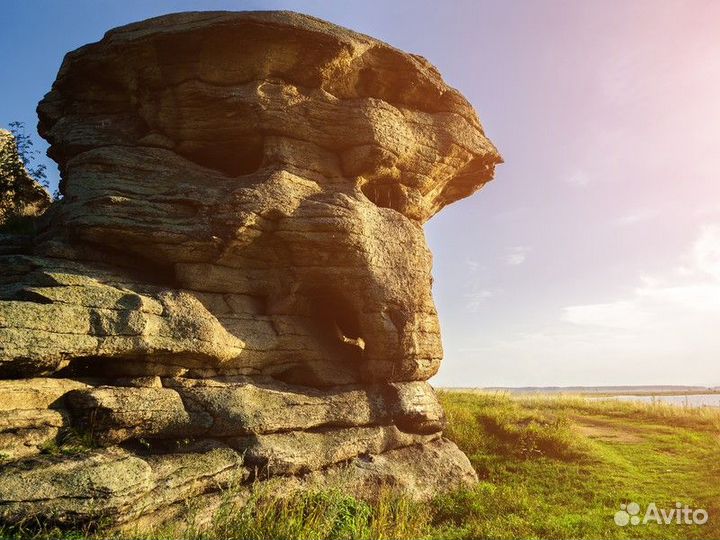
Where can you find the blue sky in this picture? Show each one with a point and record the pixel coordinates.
(594, 257)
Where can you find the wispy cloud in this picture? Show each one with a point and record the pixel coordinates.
(663, 331)
(476, 299)
(516, 255)
(639, 216)
(477, 284)
(473, 266)
(706, 251)
(620, 314)
(689, 290)
(578, 179)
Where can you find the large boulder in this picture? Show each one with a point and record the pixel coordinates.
(235, 286)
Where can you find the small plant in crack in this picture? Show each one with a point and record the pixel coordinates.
(144, 443)
(69, 442)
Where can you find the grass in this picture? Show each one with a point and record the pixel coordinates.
(311, 516)
(579, 461)
(69, 443)
(549, 467)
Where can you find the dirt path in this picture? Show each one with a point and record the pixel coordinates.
(606, 430)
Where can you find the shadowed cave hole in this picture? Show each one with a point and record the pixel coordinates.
(338, 321)
(385, 195)
(232, 158)
(335, 326)
(83, 367)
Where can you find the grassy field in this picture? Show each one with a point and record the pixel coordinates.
(549, 467)
(558, 467)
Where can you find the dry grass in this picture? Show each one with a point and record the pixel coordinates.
(542, 475)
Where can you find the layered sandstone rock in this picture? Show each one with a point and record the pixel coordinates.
(235, 286)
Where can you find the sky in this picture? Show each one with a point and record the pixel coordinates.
(593, 258)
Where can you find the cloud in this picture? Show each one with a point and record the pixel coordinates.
(516, 255)
(578, 179)
(620, 314)
(663, 331)
(475, 300)
(687, 295)
(639, 216)
(473, 266)
(706, 251)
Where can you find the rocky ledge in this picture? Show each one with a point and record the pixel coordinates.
(235, 287)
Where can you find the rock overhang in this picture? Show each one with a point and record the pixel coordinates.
(241, 91)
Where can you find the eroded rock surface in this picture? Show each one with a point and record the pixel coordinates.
(235, 286)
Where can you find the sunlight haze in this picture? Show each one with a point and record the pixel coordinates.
(593, 258)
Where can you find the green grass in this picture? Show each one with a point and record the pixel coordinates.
(549, 467)
(69, 443)
(585, 458)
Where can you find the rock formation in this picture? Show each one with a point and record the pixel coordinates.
(235, 286)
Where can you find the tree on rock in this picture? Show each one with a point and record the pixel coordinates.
(22, 194)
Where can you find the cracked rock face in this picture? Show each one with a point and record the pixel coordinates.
(236, 284)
